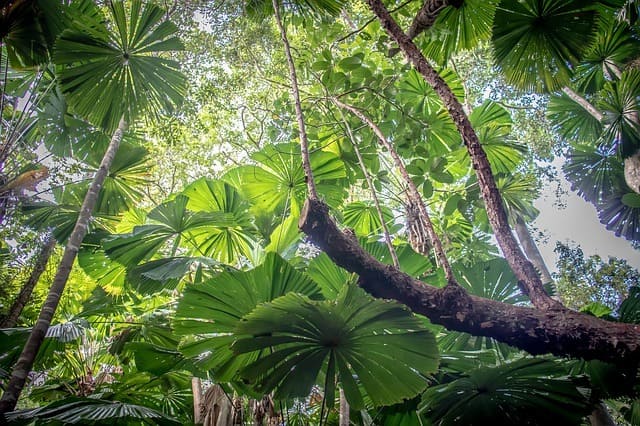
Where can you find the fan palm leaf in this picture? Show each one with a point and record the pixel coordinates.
(347, 338)
(537, 42)
(121, 73)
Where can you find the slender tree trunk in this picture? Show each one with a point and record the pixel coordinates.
(531, 250)
(416, 198)
(30, 350)
(304, 143)
(367, 176)
(583, 103)
(600, 416)
(27, 289)
(524, 270)
(344, 409)
(196, 388)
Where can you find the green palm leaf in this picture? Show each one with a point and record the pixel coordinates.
(224, 243)
(128, 174)
(170, 221)
(279, 180)
(213, 309)
(364, 219)
(572, 121)
(536, 42)
(344, 337)
(81, 411)
(620, 105)
(524, 392)
(613, 47)
(518, 194)
(107, 75)
(592, 172)
(459, 27)
(264, 8)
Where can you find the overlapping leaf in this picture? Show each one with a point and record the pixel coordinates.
(348, 339)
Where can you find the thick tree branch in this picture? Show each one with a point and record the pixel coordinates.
(425, 18)
(525, 272)
(559, 331)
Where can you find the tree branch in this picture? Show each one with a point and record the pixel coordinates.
(559, 331)
(525, 271)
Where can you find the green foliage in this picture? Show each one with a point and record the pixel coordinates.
(112, 81)
(581, 281)
(347, 338)
(536, 391)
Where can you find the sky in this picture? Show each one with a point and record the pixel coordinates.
(577, 223)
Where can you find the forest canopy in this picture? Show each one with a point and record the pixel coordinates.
(316, 212)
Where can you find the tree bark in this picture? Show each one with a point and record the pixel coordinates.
(425, 18)
(558, 331)
(583, 103)
(524, 270)
(30, 350)
(344, 410)
(531, 250)
(600, 416)
(196, 389)
(27, 289)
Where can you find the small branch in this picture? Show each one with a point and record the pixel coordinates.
(367, 176)
(304, 143)
(414, 194)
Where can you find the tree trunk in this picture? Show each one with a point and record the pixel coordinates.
(30, 350)
(425, 18)
(344, 410)
(524, 270)
(600, 416)
(196, 389)
(583, 103)
(632, 172)
(27, 289)
(531, 250)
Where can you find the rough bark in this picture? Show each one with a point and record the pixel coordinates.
(295, 92)
(27, 289)
(425, 18)
(39, 330)
(600, 416)
(632, 172)
(344, 410)
(524, 270)
(531, 250)
(557, 331)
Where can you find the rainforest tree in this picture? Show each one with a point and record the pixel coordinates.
(358, 125)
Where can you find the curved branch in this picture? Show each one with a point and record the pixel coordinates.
(524, 270)
(559, 331)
